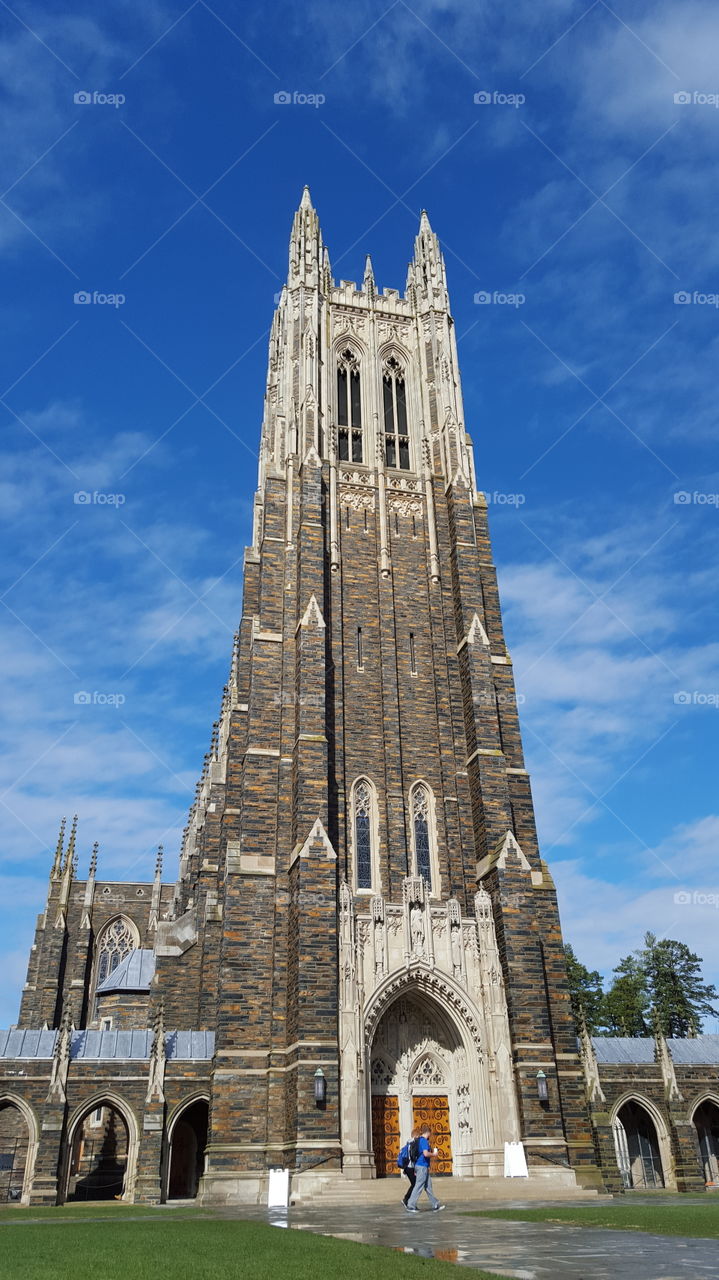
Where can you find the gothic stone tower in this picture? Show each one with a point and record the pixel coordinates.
(361, 861)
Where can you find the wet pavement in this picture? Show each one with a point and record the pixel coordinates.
(524, 1250)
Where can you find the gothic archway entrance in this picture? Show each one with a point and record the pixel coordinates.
(98, 1155)
(637, 1147)
(187, 1151)
(419, 1075)
(706, 1120)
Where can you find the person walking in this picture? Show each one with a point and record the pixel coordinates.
(406, 1164)
(423, 1181)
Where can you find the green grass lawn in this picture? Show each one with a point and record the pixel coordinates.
(170, 1248)
(660, 1219)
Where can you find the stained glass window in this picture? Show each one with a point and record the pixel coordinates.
(421, 819)
(363, 833)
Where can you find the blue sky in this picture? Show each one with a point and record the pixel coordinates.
(594, 399)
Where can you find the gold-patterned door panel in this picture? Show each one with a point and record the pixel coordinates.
(385, 1134)
(434, 1110)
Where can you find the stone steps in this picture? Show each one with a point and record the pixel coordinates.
(388, 1191)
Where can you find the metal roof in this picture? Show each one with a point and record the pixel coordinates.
(639, 1050)
(134, 973)
(27, 1044)
(101, 1046)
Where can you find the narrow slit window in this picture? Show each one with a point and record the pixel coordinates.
(412, 654)
(360, 652)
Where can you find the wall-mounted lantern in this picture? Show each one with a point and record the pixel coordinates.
(320, 1088)
(542, 1091)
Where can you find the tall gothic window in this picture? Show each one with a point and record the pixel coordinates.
(116, 941)
(363, 815)
(423, 831)
(349, 408)
(394, 395)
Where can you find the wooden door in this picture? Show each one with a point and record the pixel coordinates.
(433, 1109)
(385, 1135)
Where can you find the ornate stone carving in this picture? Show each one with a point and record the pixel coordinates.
(358, 500)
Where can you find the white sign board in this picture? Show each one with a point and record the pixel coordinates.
(515, 1161)
(278, 1193)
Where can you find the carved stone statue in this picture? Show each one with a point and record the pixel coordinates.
(416, 925)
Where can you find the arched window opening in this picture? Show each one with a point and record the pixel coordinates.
(187, 1154)
(116, 941)
(637, 1148)
(98, 1156)
(394, 398)
(363, 833)
(422, 827)
(349, 408)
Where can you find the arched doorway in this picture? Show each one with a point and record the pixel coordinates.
(99, 1155)
(17, 1152)
(418, 1075)
(188, 1140)
(637, 1147)
(706, 1120)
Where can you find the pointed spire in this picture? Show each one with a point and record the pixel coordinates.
(59, 850)
(427, 272)
(306, 247)
(158, 861)
(69, 864)
(369, 283)
(93, 861)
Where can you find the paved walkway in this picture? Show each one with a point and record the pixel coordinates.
(524, 1250)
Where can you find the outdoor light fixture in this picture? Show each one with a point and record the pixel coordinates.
(320, 1088)
(542, 1091)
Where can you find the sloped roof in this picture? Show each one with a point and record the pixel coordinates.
(639, 1050)
(128, 1046)
(134, 973)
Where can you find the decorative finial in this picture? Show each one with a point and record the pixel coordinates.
(59, 848)
(306, 201)
(158, 861)
(93, 860)
(70, 851)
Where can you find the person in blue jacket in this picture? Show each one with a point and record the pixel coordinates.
(422, 1170)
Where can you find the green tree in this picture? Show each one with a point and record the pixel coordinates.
(626, 1006)
(586, 992)
(679, 995)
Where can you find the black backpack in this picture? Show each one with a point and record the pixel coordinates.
(413, 1151)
